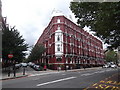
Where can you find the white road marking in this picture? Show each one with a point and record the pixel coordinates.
(109, 70)
(101, 71)
(96, 72)
(63, 74)
(43, 74)
(56, 81)
(87, 74)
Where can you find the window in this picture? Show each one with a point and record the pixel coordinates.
(58, 38)
(66, 48)
(59, 59)
(71, 60)
(58, 27)
(58, 47)
(66, 60)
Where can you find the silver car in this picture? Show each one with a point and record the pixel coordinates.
(113, 66)
(105, 66)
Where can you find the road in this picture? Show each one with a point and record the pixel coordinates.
(68, 79)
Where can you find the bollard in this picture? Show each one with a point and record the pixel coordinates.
(9, 72)
(23, 70)
(14, 71)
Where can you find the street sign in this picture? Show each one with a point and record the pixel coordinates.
(10, 55)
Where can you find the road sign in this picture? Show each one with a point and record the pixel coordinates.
(10, 55)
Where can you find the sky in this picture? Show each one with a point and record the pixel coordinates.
(31, 17)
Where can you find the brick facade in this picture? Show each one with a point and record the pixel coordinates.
(68, 45)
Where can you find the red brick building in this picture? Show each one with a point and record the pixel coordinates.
(68, 45)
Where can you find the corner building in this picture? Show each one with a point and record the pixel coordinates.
(68, 45)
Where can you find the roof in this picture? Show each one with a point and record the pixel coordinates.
(57, 13)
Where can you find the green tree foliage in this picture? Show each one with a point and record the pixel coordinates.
(13, 43)
(111, 56)
(103, 18)
(36, 52)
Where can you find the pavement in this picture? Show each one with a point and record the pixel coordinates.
(19, 74)
(4, 76)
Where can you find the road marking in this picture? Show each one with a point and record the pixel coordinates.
(96, 87)
(56, 81)
(87, 74)
(63, 74)
(43, 74)
(94, 84)
(101, 71)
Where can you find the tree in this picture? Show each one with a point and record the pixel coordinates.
(12, 42)
(111, 56)
(36, 52)
(101, 17)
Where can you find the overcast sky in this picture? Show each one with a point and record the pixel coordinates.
(31, 17)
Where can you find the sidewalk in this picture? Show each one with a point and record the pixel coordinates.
(18, 75)
(4, 76)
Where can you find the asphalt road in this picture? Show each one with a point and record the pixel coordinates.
(73, 79)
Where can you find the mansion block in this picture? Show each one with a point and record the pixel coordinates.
(69, 45)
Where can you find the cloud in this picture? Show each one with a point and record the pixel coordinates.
(32, 16)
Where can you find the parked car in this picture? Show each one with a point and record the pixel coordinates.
(105, 66)
(17, 66)
(113, 66)
(24, 64)
(37, 68)
(31, 64)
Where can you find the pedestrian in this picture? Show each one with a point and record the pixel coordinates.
(45, 67)
(59, 68)
(67, 67)
(84, 66)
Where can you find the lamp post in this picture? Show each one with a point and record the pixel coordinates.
(10, 56)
